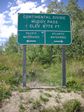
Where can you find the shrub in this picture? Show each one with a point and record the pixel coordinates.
(36, 104)
(15, 79)
(72, 106)
(3, 67)
(44, 98)
(74, 85)
(56, 109)
(5, 91)
(22, 108)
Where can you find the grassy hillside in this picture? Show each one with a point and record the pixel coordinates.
(11, 71)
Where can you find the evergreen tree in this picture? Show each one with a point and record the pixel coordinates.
(56, 7)
(11, 45)
(76, 15)
(77, 23)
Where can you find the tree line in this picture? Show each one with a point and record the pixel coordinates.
(48, 54)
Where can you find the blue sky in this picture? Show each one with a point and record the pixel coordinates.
(10, 8)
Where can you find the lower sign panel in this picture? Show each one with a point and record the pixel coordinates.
(31, 37)
(44, 37)
(58, 38)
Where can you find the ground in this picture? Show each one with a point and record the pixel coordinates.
(36, 99)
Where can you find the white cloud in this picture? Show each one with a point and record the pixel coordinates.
(27, 7)
(21, 7)
(18, 2)
(42, 1)
(2, 17)
(59, 0)
(9, 4)
(7, 31)
(31, 7)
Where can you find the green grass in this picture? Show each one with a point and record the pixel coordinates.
(56, 109)
(69, 106)
(10, 69)
(5, 91)
(11, 72)
(21, 108)
(53, 74)
(44, 98)
(36, 104)
(48, 76)
(47, 94)
(72, 106)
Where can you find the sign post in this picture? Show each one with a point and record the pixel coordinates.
(24, 66)
(63, 67)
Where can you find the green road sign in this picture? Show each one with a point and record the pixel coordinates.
(58, 37)
(44, 29)
(31, 37)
